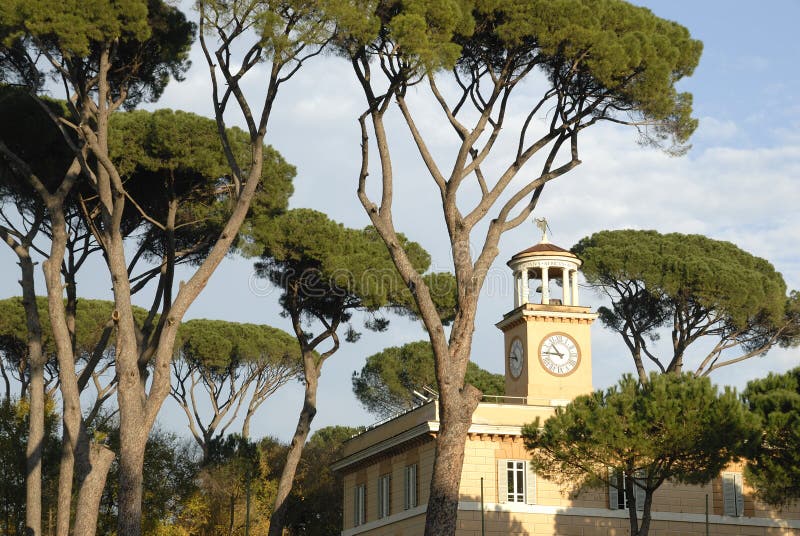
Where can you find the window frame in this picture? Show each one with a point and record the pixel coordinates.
(732, 483)
(617, 496)
(410, 487)
(524, 478)
(516, 479)
(384, 495)
(359, 504)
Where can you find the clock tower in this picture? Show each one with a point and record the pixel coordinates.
(547, 338)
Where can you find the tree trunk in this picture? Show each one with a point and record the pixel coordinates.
(630, 496)
(71, 405)
(644, 525)
(455, 417)
(66, 469)
(74, 436)
(34, 450)
(296, 447)
(99, 459)
(36, 435)
(133, 439)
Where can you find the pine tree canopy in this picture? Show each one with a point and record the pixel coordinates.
(774, 466)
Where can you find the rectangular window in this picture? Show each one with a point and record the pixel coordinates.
(617, 498)
(732, 498)
(515, 476)
(384, 496)
(359, 503)
(516, 482)
(410, 487)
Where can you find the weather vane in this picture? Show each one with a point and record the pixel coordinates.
(541, 223)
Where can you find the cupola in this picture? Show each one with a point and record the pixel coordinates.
(544, 262)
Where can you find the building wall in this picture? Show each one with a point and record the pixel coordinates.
(393, 464)
(506, 523)
(535, 382)
(677, 509)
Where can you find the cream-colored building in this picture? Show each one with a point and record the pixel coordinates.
(548, 361)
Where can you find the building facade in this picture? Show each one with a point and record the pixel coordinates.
(548, 361)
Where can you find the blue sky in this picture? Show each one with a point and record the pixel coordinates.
(738, 183)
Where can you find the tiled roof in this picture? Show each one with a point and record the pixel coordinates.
(543, 247)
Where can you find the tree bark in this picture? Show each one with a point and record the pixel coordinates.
(455, 410)
(87, 509)
(131, 466)
(36, 433)
(298, 443)
(75, 440)
(36, 361)
(71, 408)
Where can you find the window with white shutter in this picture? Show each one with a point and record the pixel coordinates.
(617, 498)
(384, 496)
(359, 504)
(410, 487)
(516, 482)
(732, 498)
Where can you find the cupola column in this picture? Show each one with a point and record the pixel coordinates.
(565, 286)
(525, 298)
(545, 287)
(575, 288)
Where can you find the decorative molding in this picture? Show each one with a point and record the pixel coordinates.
(522, 314)
(394, 518)
(382, 447)
(713, 519)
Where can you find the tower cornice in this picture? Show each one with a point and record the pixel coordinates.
(537, 312)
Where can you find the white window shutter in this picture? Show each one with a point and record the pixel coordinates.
(612, 489)
(640, 494)
(732, 496)
(737, 481)
(728, 504)
(530, 484)
(502, 481)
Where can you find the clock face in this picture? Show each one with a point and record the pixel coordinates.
(559, 354)
(515, 358)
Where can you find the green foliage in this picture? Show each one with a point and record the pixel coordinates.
(167, 156)
(216, 502)
(704, 287)
(622, 58)
(171, 465)
(386, 382)
(150, 40)
(216, 344)
(315, 504)
(13, 442)
(673, 427)
(326, 270)
(774, 466)
(91, 318)
(162, 156)
(624, 49)
(28, 132)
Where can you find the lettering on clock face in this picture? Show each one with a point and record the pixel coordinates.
(559, 354)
